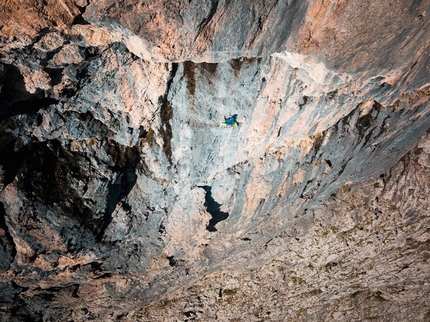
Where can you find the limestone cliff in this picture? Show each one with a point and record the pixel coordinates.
(123, 200)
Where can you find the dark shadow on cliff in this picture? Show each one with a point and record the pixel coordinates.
(126, 160)
(7, 246)
(213, 208)
(166, 113)
(49, 173)
(15, 99)
(12, 156)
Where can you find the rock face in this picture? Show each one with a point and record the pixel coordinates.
(122, 200)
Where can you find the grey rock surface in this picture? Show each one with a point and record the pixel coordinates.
(361, 255)
(122, 199)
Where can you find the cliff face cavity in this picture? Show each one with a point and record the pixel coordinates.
(122, 199)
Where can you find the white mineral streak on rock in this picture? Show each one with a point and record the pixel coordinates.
(322, 78)
(138, 47)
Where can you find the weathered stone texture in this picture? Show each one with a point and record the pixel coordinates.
(116, 180)
(363, 254)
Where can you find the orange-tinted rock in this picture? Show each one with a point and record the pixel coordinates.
(29, 17)
(121, 197)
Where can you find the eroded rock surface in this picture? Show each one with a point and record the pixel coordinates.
(361, 255)
(116, 179)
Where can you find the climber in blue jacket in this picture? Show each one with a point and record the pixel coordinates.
(231, 121)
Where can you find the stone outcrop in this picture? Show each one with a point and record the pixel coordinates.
(362, 255)
(116, 180)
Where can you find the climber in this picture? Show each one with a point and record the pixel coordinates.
(232, 121)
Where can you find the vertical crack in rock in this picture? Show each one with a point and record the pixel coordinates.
(190, 77)
(7, 246)
(79, 19)
(213, 209)
(11, 158)
(166, 114)
(207, 20)
(364, 122)
(126, 160)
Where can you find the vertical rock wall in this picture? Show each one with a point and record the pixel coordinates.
(115, 176)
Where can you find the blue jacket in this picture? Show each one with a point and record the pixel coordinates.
(231, 120)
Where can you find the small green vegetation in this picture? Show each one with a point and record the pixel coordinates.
(392, 208)
(352, 207)
(298, 280)
(346, 188)
(229, 300)
(164, 304)
(91, 142)
(147, 309)
(315, 292)
(327, 231)
(377, 185)
(334, 229)
(229, 292)
(301, 312)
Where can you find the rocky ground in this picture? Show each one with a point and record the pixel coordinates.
(363, 257)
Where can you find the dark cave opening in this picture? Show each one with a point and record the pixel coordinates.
(15, 99)
(213, 208)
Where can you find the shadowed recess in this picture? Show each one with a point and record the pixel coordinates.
(15, 99)
(213, 208)
(166, 113)
(190, 77)
(7, 250)
(126, 160)
(206, 20)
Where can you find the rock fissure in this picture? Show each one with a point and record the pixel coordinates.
(213, 208)
(8, 250)
(166, 113)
